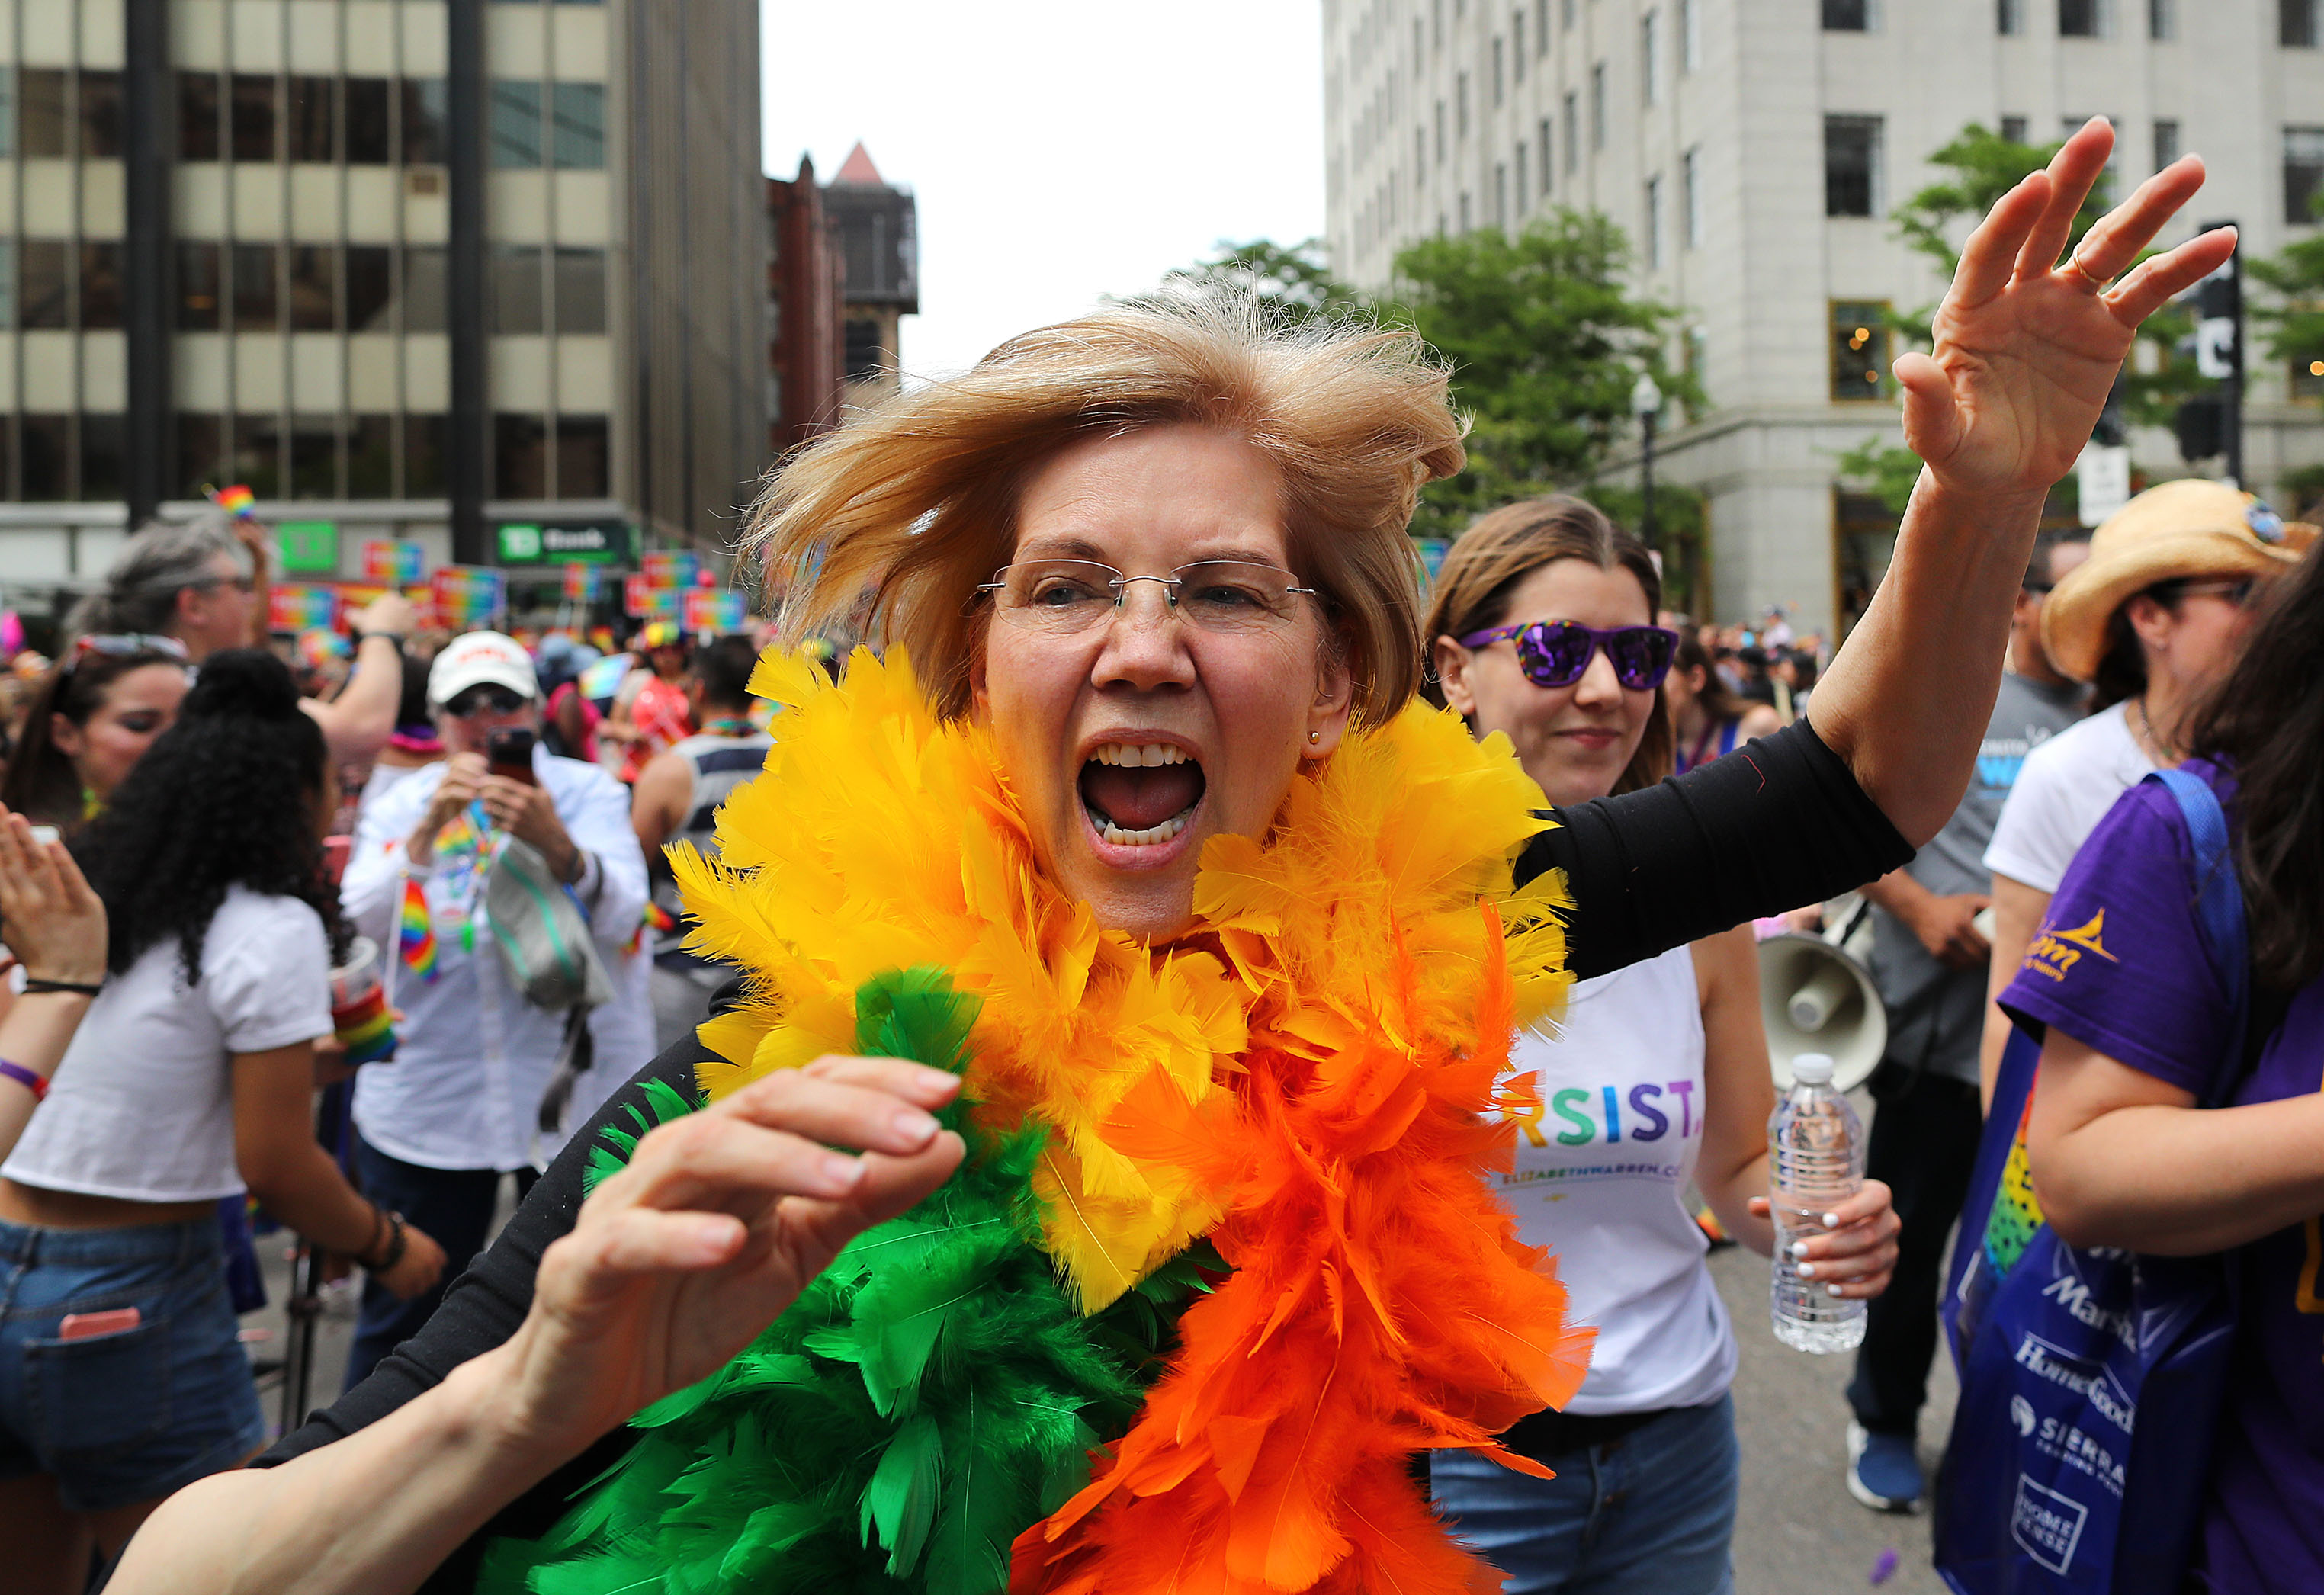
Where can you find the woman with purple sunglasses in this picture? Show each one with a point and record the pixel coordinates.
(1542, 622)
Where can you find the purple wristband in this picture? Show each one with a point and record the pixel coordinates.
(26, 1078)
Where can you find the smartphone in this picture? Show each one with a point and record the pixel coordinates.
(83, 1326)
(44, 834)
(508, 752)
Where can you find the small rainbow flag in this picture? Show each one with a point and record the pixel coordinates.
(416, 936)
(236, 500)
(366, 1029)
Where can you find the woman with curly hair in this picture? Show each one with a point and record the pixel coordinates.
(121, 1376)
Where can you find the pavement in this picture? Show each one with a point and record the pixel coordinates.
(1797, 1532)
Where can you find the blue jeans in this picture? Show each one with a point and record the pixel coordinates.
(131, 1415)
(1649, 1514)
(454, 1208)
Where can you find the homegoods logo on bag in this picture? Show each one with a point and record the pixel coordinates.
(2086, 1379)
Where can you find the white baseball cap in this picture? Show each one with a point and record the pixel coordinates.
(476, 659)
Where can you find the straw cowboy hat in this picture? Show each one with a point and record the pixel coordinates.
(2177, 530)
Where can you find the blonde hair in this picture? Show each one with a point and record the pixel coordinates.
(914, 500)
(1481, 571)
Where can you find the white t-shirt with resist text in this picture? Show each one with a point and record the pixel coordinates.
(142, 1107)
(2062, 792)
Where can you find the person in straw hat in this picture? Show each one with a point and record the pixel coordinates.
(2151, 619)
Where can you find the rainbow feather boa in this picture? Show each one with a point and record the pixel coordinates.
(1300, 1083)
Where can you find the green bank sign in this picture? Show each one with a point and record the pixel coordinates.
(564, 542)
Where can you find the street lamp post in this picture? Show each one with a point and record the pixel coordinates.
(1646, 404)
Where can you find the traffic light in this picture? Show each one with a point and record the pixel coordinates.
(2201, 425)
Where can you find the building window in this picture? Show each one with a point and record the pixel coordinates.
(1573, 122)
(371, 456)
(42, 127)
(255, 295)
(256, 460)
(368, 143)
(314, 119)
(1859, 349)
(516, 288)
(1461, 104)
(1650, 51)
(1597, 106)
(314, 299)
(1517, 44)
(200, 285)
(423, 288)
(1541, 27)
(580, 290)
(860, 347)
(1851, 166)
(1436, 23)
(515, 120)
(103, 440)
(520, 458)
(1499, 70)
(44, 284)
(1440, 133)
(1654, 222)
(2295, 23)
(1524, 189)
(100, 285)
(1565, 15)
(2080, 19)
(577, 115)
(314, 457)
(199, 456)
(1690, 34)
(254, 111)
(583, 459)
(1467, 225)
(369, 271)
(2166, 141)
(1419, 159)
(1501, 195)
(100, 116)
(2012, 128)
(2009, 16)
(45, 452)
(423, 111)
(1544, 154)
(1847, 16)
(424, 447)
(197, 116)
(1690, 199)
(2303, 172)
(2161, 20)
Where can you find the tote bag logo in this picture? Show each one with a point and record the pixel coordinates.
(2047, 1526)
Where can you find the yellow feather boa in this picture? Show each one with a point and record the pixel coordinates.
(883, 838)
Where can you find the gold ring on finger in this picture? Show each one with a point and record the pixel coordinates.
(2094, 283)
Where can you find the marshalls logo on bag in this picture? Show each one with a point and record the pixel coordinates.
(2047, 1525)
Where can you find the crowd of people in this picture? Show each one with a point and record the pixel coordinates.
(1129, 1013)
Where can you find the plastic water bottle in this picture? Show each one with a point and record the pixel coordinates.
(1815, 1153)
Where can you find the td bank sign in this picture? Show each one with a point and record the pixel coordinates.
(564, 542)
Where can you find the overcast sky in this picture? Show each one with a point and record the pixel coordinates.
(1059, 149)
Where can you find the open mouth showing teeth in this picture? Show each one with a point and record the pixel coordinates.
(1141, 796)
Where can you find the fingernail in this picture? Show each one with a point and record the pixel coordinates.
(914, 1126)
(1799, 1248)
(1807, 1271)
(841, 1172)
(1832, 1289)
(713, 1234)
(1831, 1221)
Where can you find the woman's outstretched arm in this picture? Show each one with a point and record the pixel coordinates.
(2025, 354)
(718, 1221)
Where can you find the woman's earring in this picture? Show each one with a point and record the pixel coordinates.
(1314, 737)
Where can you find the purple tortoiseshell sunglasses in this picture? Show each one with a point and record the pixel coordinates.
(1554, 653)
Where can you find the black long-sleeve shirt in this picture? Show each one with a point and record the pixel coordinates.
(1778, 823)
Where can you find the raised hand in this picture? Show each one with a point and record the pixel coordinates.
(2025, 349)
(717, 1224)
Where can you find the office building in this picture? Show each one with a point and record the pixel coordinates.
(1752, 153)
(422, 268)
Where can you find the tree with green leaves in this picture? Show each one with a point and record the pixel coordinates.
(1294, 278)
(1984, 166)
(1545, 339)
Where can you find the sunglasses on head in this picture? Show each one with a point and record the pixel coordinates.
(1554, 653)
(478, 700)
(121, 644)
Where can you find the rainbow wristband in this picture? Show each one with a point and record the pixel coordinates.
(26, 1078)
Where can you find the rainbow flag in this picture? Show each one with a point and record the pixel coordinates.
(367, 1029)
(236, 500)
(416, 936)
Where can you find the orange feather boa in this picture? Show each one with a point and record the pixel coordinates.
(1303, 1077)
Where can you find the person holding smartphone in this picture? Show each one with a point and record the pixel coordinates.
(461, 1107)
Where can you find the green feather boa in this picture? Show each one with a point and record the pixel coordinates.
(928, 1397)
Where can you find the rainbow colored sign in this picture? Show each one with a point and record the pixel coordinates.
(291, 607)
(715, 610)
(467, 597)
(667, 569)
(394, 562)
(642, 599)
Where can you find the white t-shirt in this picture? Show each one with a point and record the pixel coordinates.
(1603, 1160)
(2062, 792)
(142, 1107)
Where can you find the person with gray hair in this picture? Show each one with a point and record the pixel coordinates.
(205, 585)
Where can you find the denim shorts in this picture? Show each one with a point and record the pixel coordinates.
(132, 1416)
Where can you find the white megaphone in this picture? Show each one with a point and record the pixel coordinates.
(1815, 995)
